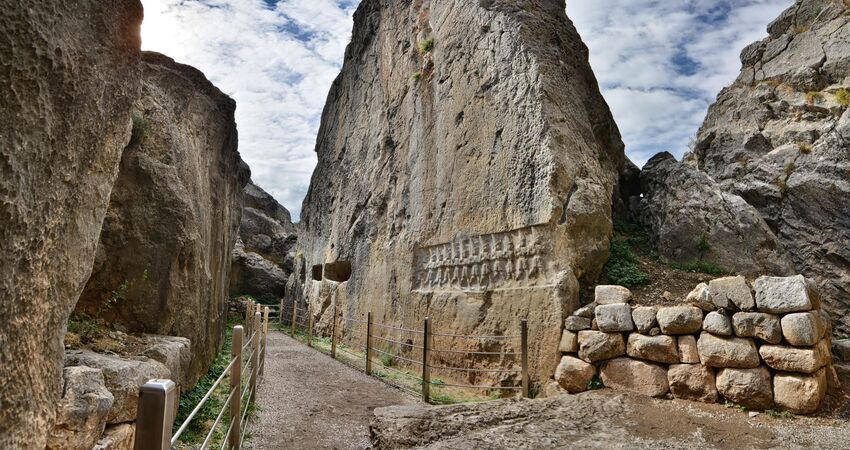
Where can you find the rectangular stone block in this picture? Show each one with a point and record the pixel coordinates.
(781, 295)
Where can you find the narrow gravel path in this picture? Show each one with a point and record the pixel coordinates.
(307, 400)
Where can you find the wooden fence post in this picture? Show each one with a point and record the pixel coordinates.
(265, 339)
(369, 343)
(280, 313)
(309, 326)
(426, 368)
(524, 344)
(236, 386)
(255, 358)
(294, 315)
(333, 332)
(155, 416)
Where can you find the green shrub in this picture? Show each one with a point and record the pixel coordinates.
(780, 414)
(701, 267)
(416, 76)
(790, 168)
(804, 147)
(595, 383)
(702, 244)
(426, 45)
(842, 96)
(622, 266)
(140, 129)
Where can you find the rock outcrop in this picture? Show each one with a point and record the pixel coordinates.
(779, 137)
(70, 74)
(163, 259)
(691, 219)
(262, 259)
(459, 176)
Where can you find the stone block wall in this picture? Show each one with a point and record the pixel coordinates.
(762, 345)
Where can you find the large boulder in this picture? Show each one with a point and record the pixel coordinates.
(163, 260)
(752, 388)
(663, 349)
(690, 218)
(70, 76)
(794, 359)
(574, 375)
(766, 327)
(252, 274)
(595, 345)
(440, 190)
(635, 376)
(801, 394)
(692, 382)
(679, 319)
(779, 137)
(83, 409)
(716, 351)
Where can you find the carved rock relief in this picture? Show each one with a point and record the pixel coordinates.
(485, 262)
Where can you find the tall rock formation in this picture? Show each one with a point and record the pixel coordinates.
(163, 260)
(69, 74)
(467, 169)
(780, 138)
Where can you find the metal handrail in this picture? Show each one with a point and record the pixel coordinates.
(461, 369)
(474, 337)
(440, 350)
(202, 402)
(473, 386)
(217, 420)
(397, 356)
(395, 328)
(398, 342)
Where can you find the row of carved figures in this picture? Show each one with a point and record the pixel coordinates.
(485, 273)
(490, 248)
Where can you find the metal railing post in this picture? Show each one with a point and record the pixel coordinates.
(265, 339)
(333, 332)
(524, 345)
(426, 369)
(309, 326)
(236, 386)
(294, 315)
(255, 358)
(155, 416)
(369, 343)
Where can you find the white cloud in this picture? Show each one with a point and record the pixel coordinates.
(278, 62)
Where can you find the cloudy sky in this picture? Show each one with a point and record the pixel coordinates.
(660, 64)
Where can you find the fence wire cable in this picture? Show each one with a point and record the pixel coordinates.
(202, 402)
(217, 420)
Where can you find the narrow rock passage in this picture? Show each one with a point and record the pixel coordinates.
(308, 400)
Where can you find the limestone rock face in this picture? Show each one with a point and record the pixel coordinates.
(82, 410)
(163, 260)
(252, 274)
(690, 218)
(779, 138)
(70, 76)
(458, 171)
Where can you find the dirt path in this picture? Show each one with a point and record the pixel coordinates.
(308, 400)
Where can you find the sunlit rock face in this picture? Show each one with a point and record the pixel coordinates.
(70, 74)
(467, 170)
(779, 137)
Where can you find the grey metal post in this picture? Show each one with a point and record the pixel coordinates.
(280, 313)
(255, 359)
(155, 416)
(426, 369)
(236, 386)
(524, 345)
(369, 343)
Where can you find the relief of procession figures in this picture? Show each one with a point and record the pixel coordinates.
(483, 262)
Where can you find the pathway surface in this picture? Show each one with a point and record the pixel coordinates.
(307, 400)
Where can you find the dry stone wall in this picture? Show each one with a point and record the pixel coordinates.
(762, 346)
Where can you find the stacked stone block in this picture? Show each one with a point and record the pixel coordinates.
(762, 346)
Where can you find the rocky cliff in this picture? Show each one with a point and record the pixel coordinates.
(70, 74)
(163, 259)
(779, 137)
(467, 169)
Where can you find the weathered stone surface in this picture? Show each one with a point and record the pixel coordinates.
(252, 274)
(569, 342)
(688, 352)
(793, 359)
(841, 349)
(690, 218)
(644, 318)
(163, 259)
(173, 352)
(752, 388)
(661, 349)
(779, 138)
(635, 376)
(70, 76)
(766, 327)
(595, 345)
(679, 319)
(800, 394)
(575, 323)
(416, 174)
(731, 294)
(717, 323)
(574, 374)
(123, 378)
(802, 328)
(615, 317)
(82, 409)
(734, 352)
(608, 294)
(780, 295)
(117, 437)
(692, 382)
(700, 298)
(586, 311)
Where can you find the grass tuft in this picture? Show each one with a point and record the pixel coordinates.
(426, 45)
(140, 129)
(701, 267)
(622, 267)
(842, 97)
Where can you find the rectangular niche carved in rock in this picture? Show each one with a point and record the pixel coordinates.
(317, 272)
(338, 271)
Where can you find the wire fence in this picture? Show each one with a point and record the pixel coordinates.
(158, 398)
(418, 361)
